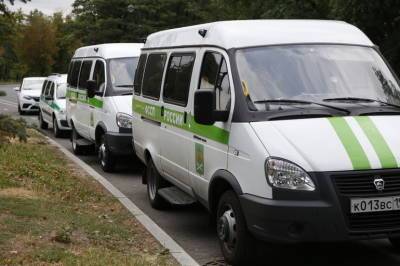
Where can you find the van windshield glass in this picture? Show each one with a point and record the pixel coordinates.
(61, 91)
(122, 74)
(33, 84)
(314, 73)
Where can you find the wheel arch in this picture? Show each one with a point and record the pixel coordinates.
(221, 181)
(100, 129)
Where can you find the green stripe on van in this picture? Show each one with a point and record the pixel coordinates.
(381, 148)
(350, 143)
(80, 96)
(176, 119)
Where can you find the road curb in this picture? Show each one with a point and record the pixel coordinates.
(175, 249)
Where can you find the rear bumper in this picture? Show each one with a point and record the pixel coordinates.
(320, 216)
(120, 143)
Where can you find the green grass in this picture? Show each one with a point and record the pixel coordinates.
(52, 213)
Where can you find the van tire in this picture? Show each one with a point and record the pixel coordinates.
(76, 148)
(237, 245)
(106, 158)
(57, 131)
(42, 123)
(20, 110)
(154, 183)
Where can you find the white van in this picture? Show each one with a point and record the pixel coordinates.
(99, 105)
(52, 104)
(285, 130)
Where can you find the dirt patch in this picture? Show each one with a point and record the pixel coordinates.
(18, 193)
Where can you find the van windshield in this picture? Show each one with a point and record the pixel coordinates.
(314, 73)
(122, 74)
(32, 84)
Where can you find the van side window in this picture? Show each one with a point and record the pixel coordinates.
(47, 89)
(44, 87)
(178, 78)
(137, 84)
(214, 75)
(85, 74)
(70, 67)
(153, 75)
(99, 75)
(75, 73)
(51, 91)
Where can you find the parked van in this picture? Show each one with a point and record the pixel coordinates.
(285, 130)
(29, 94)
(53, 103)
(99, 105)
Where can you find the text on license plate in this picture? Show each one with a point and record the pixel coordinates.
(375, 204)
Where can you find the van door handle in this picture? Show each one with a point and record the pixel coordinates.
(92, 107)
(199, 138)
(150, 121)
(185, 117)
(162, 110)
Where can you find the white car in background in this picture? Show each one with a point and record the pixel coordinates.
(29, 94)
(52, 104)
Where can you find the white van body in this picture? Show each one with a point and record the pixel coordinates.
(29, 94)
(105, 119)
(53, 104)
(302, 138)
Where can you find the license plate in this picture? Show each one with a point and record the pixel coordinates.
(375, 204)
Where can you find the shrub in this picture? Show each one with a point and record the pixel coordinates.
(12, 128)
(3, 93)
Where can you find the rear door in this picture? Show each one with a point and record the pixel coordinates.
(96, 104)
(73, 93)
(175, 131)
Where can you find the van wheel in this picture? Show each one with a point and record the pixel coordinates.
(20, 110)
(42, 123)
(56, 129)
(76, 148)
(395, 242)
(106, 158)
(154, 183)
(235, 241)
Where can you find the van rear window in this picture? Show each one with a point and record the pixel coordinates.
(137, 85)
(75, 73)
(179, 74)
(153, 75)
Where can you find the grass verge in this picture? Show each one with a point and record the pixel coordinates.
(51, 212)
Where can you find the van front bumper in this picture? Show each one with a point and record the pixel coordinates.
(120, 144)
(323, 215)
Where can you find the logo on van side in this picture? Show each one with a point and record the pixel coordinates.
(150, 110)
(173, 118)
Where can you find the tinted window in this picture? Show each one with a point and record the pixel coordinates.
(153, 75)
(44, 87)
(139, 74)
(75, 73)
(51, 91)
(99, 75)
(214, 75)
(70, 67)
(85, 74)
(178, 78)
(47, 89)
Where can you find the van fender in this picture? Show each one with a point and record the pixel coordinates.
(221, 181)
(149, 153)
(100, 127)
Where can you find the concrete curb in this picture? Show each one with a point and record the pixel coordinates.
(175, 249)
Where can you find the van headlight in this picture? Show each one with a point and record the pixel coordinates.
(27, 97)
(287, 175)
(124, 120)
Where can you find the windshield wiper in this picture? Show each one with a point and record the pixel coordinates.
(356, 99)
(283, 101)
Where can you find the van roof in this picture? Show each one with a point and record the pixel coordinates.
(249, 33)
(58, 78)
(110, 50)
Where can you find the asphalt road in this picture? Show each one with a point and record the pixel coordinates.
(190, 226)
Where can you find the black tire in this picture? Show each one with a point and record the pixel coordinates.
(20, 110)
(42, 123)
(154, 183)
(57, 131)
(76, 148)
(395, 242)
(106, 158)
(237, 245)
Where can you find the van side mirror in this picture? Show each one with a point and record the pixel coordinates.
(205, 112)
(91, 87)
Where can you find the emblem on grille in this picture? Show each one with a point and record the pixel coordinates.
(379, 184)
